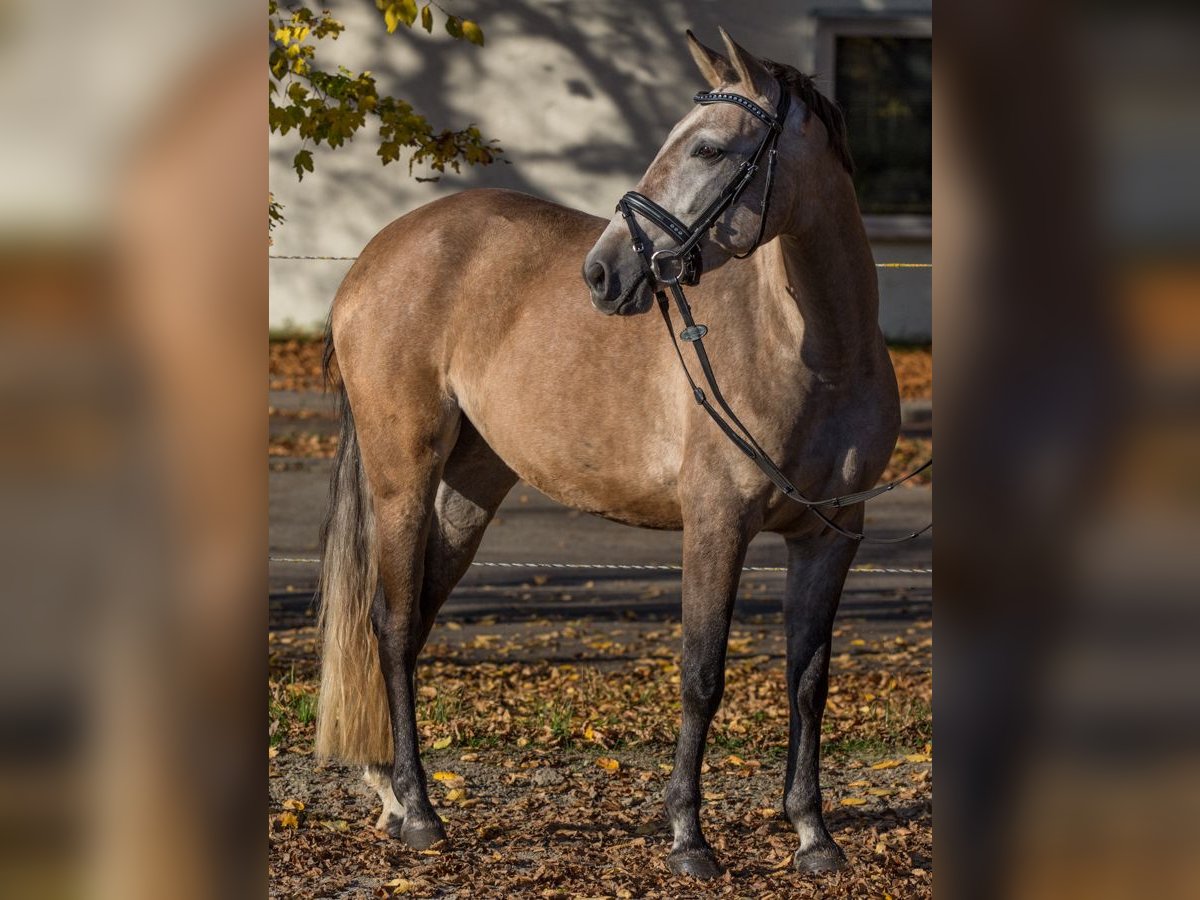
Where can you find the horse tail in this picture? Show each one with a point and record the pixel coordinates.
(352, 713)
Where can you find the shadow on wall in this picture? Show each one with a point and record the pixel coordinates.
(580, 94)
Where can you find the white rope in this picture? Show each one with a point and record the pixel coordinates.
(633, 567)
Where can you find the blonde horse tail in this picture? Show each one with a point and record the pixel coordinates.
(352, 712)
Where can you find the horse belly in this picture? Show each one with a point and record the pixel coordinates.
(600, 461)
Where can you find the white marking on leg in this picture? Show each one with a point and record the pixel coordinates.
(382, 785)
(677, 825)
(808, 833)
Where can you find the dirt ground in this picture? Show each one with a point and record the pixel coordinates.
(548, 743)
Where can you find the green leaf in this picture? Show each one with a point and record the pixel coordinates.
(302, 162)
(454, 27)
(472, 32)
(408, 11)
(427, 18)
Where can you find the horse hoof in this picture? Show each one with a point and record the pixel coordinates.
(700, 864)
(422, 837)
(394, 826)
(819, 859)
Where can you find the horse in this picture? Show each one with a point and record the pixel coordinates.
(467, 356)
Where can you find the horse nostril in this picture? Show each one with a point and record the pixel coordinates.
(597, 278)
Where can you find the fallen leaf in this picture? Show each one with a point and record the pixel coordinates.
(288, 820)
(887, 764)
(450, 779)
(608, 764)
(442, 743)
(853, 801)
(293, 804)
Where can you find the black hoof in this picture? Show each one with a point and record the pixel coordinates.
(700, 864)
(820, 858)
(422, 837)
(395, 827)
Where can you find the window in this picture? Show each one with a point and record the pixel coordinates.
(880, 71)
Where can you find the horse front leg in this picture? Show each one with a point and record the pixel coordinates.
(817, 568)
(714, 546)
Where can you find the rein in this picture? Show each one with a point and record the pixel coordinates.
(680, 265)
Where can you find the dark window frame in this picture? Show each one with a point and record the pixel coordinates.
(829, 27)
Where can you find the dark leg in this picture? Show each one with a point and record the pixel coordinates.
(714, 547)
(474, 483)
(817, 568)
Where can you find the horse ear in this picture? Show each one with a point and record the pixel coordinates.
(750, 71)
(713, 66)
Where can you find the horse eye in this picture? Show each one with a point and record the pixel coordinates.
(706, 151)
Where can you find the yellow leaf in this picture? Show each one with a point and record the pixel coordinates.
(858, 784)
(272, 752)
(391, 16)
(472, 32)
(399, 886)
(767, 812)
(442, 743)
(735, 761)
(918, 757)
(456, 794)
(853, 801)
(880, 792)
(887, 764)
(288, 820)
(449, 779)
(858, 642)
(293, 804)
(607, 763)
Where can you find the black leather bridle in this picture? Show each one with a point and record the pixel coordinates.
(682, 264)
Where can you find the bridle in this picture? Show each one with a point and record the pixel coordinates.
(682, 264)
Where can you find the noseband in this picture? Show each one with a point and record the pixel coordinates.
(682, 265)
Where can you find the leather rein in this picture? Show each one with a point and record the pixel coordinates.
(682, 264)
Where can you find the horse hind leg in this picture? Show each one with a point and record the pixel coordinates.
(474, 483)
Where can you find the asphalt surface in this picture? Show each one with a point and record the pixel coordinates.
(532, 528)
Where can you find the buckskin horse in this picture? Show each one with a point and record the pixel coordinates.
(467, 357)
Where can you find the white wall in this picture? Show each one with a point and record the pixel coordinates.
(581, 93)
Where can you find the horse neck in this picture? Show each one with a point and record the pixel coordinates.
(826, 273)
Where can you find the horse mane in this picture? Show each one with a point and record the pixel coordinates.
(814, 101)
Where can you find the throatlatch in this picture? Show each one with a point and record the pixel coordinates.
(682, 264)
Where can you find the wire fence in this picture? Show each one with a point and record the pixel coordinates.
(632, 567)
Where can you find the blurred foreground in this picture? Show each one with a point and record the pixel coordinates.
(133, 275)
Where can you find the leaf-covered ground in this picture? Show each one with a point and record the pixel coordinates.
(548, 744)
